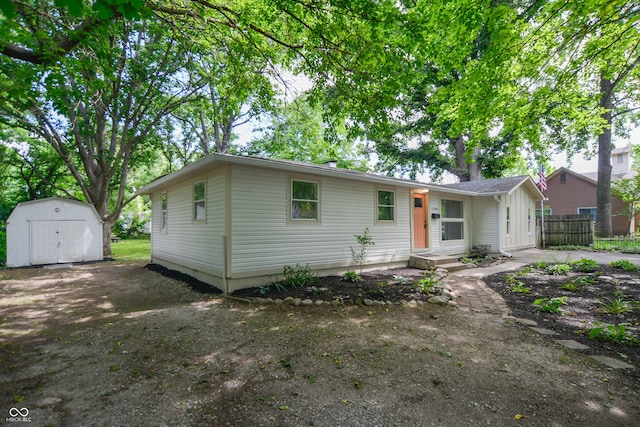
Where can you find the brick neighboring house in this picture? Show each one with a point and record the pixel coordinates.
(571, 193)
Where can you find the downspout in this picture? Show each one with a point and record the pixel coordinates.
(502, 252)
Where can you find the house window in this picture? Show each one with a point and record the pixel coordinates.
(620, 158)
(386, 205)
(199, 202)
(563, 177)
(587, 211)
(529, 220)
(452, 219)
(508, 220)
(304, 200)
(165, 215)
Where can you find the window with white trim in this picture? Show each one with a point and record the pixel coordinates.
(165, 213)
(386, 205)
(305, 200)
(199, 201)
(508, 220)
(587, 211)
(452, 219)
(529, 220)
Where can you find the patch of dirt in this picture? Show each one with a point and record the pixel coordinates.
(592, 301)
(391, 285)
(118, 344)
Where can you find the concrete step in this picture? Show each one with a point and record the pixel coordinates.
(454, 266)
(431, 261)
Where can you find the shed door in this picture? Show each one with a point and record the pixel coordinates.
(56, 241)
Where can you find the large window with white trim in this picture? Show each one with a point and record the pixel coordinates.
(305, 200)
(386, 205)
(452, 219)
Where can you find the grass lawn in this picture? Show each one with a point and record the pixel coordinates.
(132, 249)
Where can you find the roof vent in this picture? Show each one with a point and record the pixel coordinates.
(331, 163)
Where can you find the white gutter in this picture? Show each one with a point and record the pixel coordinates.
(502, 252)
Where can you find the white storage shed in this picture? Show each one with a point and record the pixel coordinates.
(51, 231)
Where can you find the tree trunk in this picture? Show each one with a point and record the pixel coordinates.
(603, 192)
(466, 170)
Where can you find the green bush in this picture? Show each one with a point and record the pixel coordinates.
(558, 269)
(298, 275)
(586, 265)
(624, 264)
(3, 247)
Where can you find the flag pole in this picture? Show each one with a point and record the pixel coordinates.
(542, 222)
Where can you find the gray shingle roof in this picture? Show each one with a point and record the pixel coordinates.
(495, 185)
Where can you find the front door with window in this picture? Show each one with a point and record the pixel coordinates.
(419, 221)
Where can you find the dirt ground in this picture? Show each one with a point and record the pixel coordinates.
(118, 344)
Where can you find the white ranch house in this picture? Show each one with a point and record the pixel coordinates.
(236, 221)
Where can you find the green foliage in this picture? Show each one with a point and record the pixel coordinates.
(540, 264)
(586, 265)
(558, 269)
(624, 264)
(359, 255)
(352, 276)
(516, 286)
(578, 283)
(551, 305)
(612, 333)
(615, 306)
(427, 283)
(298, 276)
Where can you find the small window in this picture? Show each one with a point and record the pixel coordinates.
(529, 220)
(587, 211)
(199, 202)
(508, 220)
(563, 177)
(304, 200)
(452, 217)
(386, 205)
(165, 214)
(619, 158)
(417, 202)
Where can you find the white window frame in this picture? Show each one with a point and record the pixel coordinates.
(197, 202)
(291, 217)
(164, 211)
(528, 220)
(508, 218)
(392, 206)
(450, 220)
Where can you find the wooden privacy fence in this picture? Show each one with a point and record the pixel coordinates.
(560, 230)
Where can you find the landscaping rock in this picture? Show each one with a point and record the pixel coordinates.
(438, 300)
(306, 301)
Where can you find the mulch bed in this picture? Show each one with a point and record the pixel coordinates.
(585, 308)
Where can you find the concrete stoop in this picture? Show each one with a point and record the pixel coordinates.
(428, 261)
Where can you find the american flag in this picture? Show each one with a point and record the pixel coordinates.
(543, 179)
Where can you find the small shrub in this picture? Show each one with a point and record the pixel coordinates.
(558, 269)
(298, 276)
(624, 264)
(352, 276)
(524, 271)
(586, 265)
(364, 241)
(619, 334)
(518, 287)
(577, 284)
(427, 283)
(615, 306)
(540, 264)
(551, 305)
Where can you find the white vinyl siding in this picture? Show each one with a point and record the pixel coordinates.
(196, 245)
(520, 207)
(265, 241)
(485, 222)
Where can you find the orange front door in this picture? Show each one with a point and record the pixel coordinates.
(419, 220)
